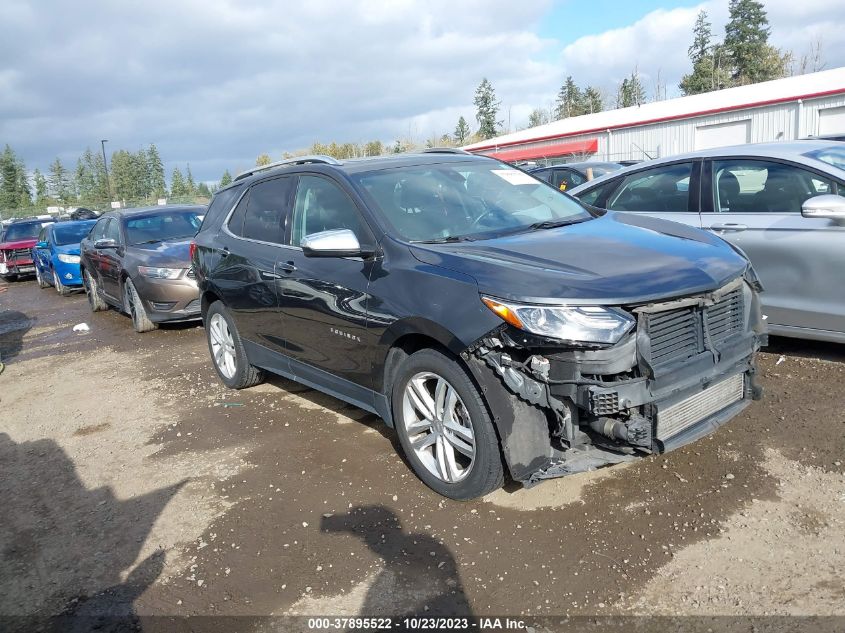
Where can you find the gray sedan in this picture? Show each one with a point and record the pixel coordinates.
(780, 203)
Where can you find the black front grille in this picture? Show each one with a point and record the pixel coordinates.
(18, 253)
(682, 333)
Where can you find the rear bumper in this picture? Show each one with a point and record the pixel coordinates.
(169, 300)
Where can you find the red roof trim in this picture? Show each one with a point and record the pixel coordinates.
(590, 146)
(674, 117)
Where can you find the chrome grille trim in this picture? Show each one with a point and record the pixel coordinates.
(674, 419)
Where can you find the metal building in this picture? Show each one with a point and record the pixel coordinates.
(784, 109)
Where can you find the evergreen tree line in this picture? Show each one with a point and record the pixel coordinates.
(133, 177)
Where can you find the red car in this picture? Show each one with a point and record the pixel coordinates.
(16, 246)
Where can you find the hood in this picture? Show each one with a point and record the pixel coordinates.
(67, 249)
(618, 258)
(170, 253)
(27, 243)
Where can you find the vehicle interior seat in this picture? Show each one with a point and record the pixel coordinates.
(782, 193)
(423, 216)
(729, 197)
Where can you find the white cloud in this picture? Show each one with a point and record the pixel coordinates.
(216, 82)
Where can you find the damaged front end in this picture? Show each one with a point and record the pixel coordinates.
(684, 368)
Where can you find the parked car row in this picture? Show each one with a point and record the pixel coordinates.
(500, 326)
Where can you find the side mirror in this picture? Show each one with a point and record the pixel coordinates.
(42, 245)
(827, 206)
(334, 243)
(105, 243)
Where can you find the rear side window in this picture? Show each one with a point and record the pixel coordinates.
(220, 206)
(597, 195)
(265, 212)
(664, 188)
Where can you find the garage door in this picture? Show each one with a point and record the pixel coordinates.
(831, 121)
(722, 134)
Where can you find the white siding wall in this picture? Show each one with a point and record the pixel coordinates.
(770, 123)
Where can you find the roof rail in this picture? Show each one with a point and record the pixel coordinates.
(296, 160)
(444, 150)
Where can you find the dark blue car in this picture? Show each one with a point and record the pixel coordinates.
(56, 255)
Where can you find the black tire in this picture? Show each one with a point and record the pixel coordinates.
(134, 307)
(39, 279)
(487, 471)
(245, 375)
(62, 289)
(95, 301)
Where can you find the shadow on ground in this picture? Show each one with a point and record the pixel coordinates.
(64, 547)
(419, 574)
(13, 327)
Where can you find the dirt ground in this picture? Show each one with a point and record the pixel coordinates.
(132, 482)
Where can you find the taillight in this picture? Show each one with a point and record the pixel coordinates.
(192, 249)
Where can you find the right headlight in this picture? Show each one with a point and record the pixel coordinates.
(585, 324)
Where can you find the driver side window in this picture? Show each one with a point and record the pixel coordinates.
(323, 206)
(99, 229)
(113, 230)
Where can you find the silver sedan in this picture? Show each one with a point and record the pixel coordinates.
(780, 203)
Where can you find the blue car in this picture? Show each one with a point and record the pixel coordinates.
(56, 255)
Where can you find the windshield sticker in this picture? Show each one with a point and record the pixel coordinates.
(515, 177)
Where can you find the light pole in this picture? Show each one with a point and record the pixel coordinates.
(106, 165)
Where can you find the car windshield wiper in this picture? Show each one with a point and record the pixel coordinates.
(447, 240)
(164, 239)
(551, 224)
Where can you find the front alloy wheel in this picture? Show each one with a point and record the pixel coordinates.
(438, 427)
(444, 426)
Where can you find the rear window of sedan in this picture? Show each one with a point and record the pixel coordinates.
(158, 227)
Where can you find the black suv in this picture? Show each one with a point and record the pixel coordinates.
(495, 322)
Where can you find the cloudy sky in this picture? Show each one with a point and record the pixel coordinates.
(214, 83)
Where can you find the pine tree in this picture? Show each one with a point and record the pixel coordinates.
(569, 100)
(59, 182)
(203, 190)
(190, 185)
(631, 91)
(158, 186)
(487, 108)
(10, 179)
(462, 131)
(85, 178)
(178, 187)
(747, 44)
(122, 175)
(42, 197)
(701, 36)
(225, 179)
(537, 117)
(593, 101)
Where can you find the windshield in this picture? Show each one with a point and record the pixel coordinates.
(27, 231)
(451, 201)
(64, 234)
(831, 155)
(161, 226)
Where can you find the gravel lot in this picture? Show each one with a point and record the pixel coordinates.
(133, 482)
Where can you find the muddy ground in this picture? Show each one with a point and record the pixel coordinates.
(132, 482)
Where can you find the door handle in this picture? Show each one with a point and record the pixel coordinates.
(286, 267)
(728, 226)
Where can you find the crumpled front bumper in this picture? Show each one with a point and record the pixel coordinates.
(687, 369)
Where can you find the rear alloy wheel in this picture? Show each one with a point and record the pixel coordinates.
(135, 308)
(95, 301)
(227, 351)
(60, 287)
(444, 427)
(39, 278)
